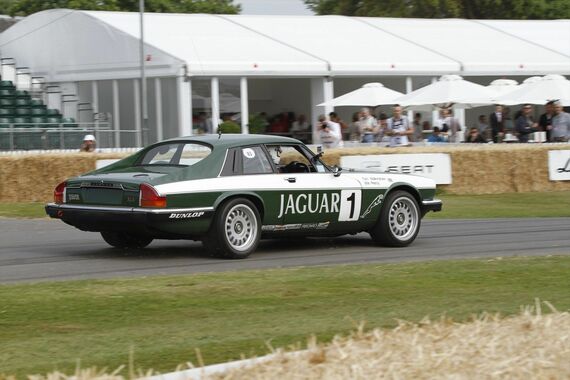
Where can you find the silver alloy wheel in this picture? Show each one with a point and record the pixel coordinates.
(403, 218)
(241, 227)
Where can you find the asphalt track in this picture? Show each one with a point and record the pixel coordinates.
(45, 250)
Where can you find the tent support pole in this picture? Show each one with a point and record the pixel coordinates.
(215, 95)
(410, 88)
(184, 106)
(116, 114)
(95, 105)
(434, 113)
(158, 106)
(459, 114)
(137, 109)
(244, 99)
(328, 92)
(190, 105)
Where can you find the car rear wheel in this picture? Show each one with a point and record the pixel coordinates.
(235, 231)
(125, 240)
(399, 221)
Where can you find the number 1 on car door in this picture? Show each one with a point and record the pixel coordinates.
(350, 201)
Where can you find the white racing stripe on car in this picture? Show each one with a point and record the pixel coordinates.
(303, 181)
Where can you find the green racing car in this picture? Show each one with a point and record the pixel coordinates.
(229, 191)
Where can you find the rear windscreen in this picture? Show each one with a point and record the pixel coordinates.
(175, 154)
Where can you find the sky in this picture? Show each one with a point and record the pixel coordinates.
(273, 7)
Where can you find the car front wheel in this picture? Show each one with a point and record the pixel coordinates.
(125, 240)
(235, 231)
(399, 221)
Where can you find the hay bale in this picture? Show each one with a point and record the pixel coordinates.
(32, 178)
(477, 169)
(481, 169)
(531, 345)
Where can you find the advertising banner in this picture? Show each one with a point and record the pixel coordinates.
(436, 166)
(559, 165)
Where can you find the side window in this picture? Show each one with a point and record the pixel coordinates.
(255, 161)
(292, 159)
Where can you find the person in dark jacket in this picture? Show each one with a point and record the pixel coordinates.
(475, 136)
(524, 125)
(496, 122)
(545, 121)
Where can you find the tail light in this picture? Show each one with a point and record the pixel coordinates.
(59, 193)
(150, 197)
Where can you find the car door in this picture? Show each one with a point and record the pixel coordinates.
(251, 172)
(319, 198)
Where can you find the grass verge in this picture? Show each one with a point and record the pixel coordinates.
(22, 210)
(49, 326)
(513, 205)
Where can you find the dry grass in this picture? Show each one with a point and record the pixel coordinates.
(531, 345)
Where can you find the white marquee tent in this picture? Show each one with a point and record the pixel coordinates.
(69, 46)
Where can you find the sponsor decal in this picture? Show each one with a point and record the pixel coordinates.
(436, 166)
(249, 153)
(346, 204)
(186, 215)
(559, 165)
(565, 168)
(375, 202)
(320, 203)
(373, 180)
(296, 226)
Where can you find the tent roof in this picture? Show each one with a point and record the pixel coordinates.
(480, 48)
(84, 45)
(551, 34)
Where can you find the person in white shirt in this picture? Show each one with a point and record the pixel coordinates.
(368, 126)
(399, 128)
(449, 125)
(560, 131)
(329, 132)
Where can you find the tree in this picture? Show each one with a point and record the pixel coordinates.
(470, 9)
(26, 7)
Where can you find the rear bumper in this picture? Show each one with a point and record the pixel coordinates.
(433, 205)
(190, 221)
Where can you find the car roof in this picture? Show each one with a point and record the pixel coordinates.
(234, 140)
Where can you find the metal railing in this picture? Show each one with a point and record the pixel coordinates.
(63, 135)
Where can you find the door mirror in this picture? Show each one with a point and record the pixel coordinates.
(336, 170)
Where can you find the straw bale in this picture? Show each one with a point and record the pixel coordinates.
(476, 169)
(481, 169)
(531, 345)
(32, 178)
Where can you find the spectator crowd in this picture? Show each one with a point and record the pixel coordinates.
(397, 130)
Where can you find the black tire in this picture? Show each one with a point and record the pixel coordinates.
(235, 230)
(125, 240)
(399, 221)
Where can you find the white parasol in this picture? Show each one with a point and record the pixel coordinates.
(448, 90)
(539, 91)
(369, 95)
